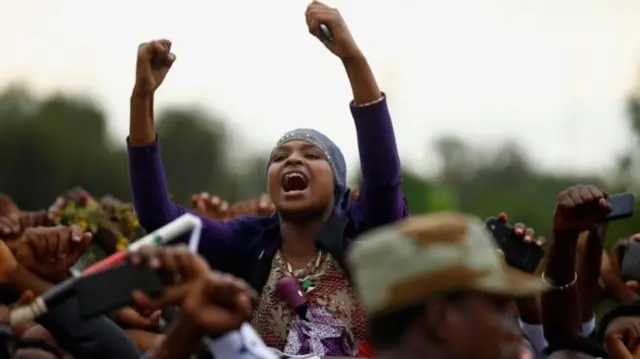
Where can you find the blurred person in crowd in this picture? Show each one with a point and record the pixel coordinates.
(214, 307)
(435, 286)
(315, 221)
(43, 257)
(112, 224)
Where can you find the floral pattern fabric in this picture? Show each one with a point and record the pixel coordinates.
(332, 291)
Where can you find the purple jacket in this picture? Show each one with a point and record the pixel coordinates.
(224, 244)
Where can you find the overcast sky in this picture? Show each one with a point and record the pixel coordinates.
(549, 74)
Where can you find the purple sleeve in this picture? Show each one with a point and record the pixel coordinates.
(380, 200)
(155, 209)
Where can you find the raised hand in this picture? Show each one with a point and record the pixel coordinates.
(579, 208)
(527, 234)
(154, 62)
(12, 225)
(49, 252)
(260, 206)
(211, 206)
(178, 267)
(342, 43)
(218, 303)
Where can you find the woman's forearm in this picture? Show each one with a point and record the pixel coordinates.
(588, 269)
(363, 82)
(560, 323)
(142, 131)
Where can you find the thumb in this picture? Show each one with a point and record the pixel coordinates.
(25, 298)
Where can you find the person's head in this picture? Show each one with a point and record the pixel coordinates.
(435, 285)
(306, 175)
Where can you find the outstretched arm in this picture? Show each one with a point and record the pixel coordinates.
(380, 201)
(146, 171)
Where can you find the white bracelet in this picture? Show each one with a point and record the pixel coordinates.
(559, 287)
(371, 103)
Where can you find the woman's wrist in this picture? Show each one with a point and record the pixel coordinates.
(355, 59)
(142, 130)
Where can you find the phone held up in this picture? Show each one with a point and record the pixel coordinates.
(517, 253)
(622, 206)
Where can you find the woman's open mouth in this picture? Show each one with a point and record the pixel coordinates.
(294, 182)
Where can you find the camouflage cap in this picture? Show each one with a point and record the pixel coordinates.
(404, 263)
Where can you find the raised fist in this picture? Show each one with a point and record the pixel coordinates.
(579, 208)
(342, 43)
(49, 252)
(154, 62)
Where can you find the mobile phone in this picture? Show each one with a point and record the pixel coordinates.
(524, 256)
(630, 268)
(622, 206)
(111, 289)
(326, 32)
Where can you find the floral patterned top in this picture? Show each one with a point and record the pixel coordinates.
(332, 291)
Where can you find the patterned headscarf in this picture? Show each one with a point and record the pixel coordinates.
(332, 154)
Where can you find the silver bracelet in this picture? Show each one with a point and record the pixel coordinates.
(371, 103)
(559, 287)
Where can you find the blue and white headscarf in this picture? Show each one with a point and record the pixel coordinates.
(332, 154)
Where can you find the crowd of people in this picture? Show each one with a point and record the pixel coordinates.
(314, 268)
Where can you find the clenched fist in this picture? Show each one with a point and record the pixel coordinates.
(154, 62)
(49, 252)
(579, 208)
(342, 43)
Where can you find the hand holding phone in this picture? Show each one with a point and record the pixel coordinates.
(517, 253)
(111, 289)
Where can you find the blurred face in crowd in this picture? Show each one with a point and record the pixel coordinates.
(474, 326)
(300, 181)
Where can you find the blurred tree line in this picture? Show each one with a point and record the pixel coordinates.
(51, 144)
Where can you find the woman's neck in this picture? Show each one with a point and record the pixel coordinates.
(299, 241)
